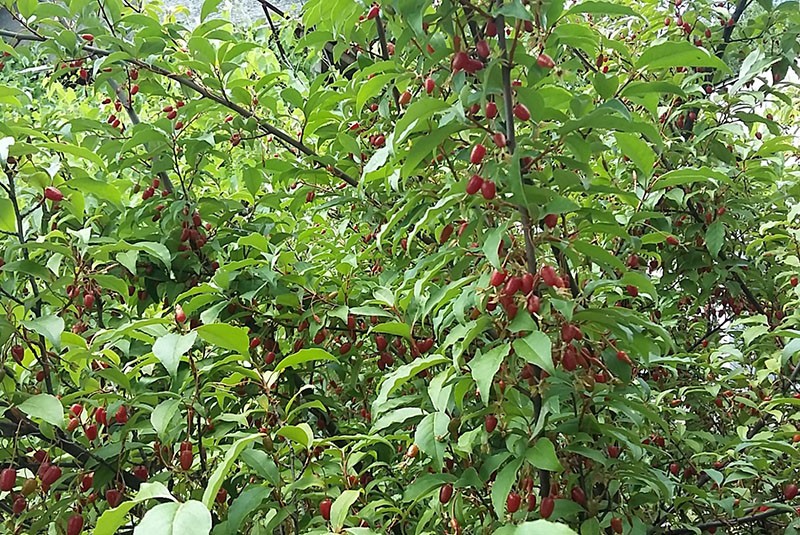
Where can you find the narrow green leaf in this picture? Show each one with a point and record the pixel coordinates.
(303, 356)
(536, 349)
(170, 348)
(341, 507)
(44, 407)
(222, 469)
(226, 336)
(484, 367)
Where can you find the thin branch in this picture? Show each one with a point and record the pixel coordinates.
(385, 54)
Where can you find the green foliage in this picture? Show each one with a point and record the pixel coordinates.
(243, 289)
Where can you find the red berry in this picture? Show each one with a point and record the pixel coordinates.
(667, 21)
(632, 290)
(87, 37)
(474, 184)
(477, 154)
(91, 432)
(17, 352)
(121, 415)
(19, 505)
(51, 475)
(551, 220)
(498, 277)
(790, 491)
(616, 524)
(546, 509)
(88, 300)
(578, 496)
(87, 481)
(499, 139)
(255, 342)
(373, 12)
(134, 89)
(8, 478)
(490, 423)
(430, 85)
(180, 315)
(513, 502)
(531, 502)
(491, 110)
(405, 98)
(222, 496)
(185, 458)
(141, 472)
(113, 497)
(460, 61)
(488, 190)
(445, 493)
(533, 304)
(544, 61)
(521, 112)
(672, 240)
(53, 194)
(75, 524)
(76, 409)
(325, 508)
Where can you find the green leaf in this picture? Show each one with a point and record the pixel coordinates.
(393, 327)
(303, 356)
(76, 151)
(536, 349)
(301, 434)
(162, 415)
(637, 150)
(226, 336)
(244, 505)
(715, 237)
(502, 486)
(222, 469)
(401, 376)
(170, 348)
(599, 255)
(484, 367)
(44, 407)
(158, 251)
(190, 518)
(543, 456)
(209, 6)
(112, 519)
(49, 326)
(602, 8)
(429, 437)
(8, 222)
(679, 177)
(491, 245)
(678, 54)
(341, 507)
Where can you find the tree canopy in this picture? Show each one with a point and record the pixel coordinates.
(515, 267)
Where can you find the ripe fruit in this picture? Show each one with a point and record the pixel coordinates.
(185, 459)
(477, 154)
(527, 283)
(672, 240)
(513, 502)
(430, 85)
(134, 89)
(373, 12)
(88, 301)
(91, 432)
(531, 502)
(490, 423)
(413, 451)
(616, 524)
(87, 481)
(667, 21)
(180, 315)
(790, 491)
(482, 48)
(87, 37)
(72, 425)
(546, 509)
(445, 493)
(19, 505)
(51, 475)
(544, 61)
(141, 472)
(325, 508)
(17, 352)
(255, 342)
(793, 281)
(381, 342)
(488, 190)
(632, 290)
(533, 304)
(549, 276)
(499, 139)
(498, 277)
(447, 231)
(613, 451)
(8, 478)
(674, 468)
(75, 524)
(113, 497)
(550, 220)
(521, 112)
(269, 358)
(76, 409)
(578, 496)
(491, 110)
(405, 98)
(474, 184)
(460, 61)
(53, 194)
(121, 416)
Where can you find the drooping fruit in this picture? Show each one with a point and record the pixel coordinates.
(549, 276)
(474, 184)
(430, 85)
(113, 497)
(491, 110)
(373, 12)
(121, 416)
(793, 281)
(790, 491)
(445, 493)
(19, 505)
(513, 502)
(533, 304)
(91, 432)
(544, 61)
(477, 154)
(490, 423)
(53, 194)
(405, 98)
(546, 509)
(578, 496)
(672, 240)
(8, 478)
(75, 524)
(482, 48)
(527, 283)
(616, 524)
(76, 409)
(488, 190)
(51, 475)
(499, 139)
(498, 277)
(17, 353)
(325, 508)
(141, 472)
(550, 220)
(87, 481)
(521, 112)
(513, 285)
(460, 61)
(180, 315)
(185, 459)
(531, 502)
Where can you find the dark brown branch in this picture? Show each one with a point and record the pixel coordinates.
(727, 522)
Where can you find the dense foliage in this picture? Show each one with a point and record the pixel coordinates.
(410, 267)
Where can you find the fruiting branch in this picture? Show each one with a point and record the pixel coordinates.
(211, 95)
(726, 522)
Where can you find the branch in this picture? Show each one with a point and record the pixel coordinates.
(211, 95)
(385, 55)
(128, 106)
(727, 522)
